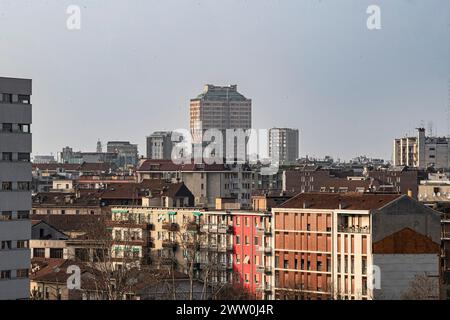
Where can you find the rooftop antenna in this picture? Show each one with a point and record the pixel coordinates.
(430, 128)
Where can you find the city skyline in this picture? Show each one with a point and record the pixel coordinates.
(314, 61)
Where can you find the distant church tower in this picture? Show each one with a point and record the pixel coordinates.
(99, 146)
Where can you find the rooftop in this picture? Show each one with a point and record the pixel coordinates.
(349, 201)
(226, 93)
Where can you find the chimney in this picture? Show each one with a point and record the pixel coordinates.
(305, 205)
(410, 193)
(341, 205)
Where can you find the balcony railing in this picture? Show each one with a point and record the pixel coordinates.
(265, 287)
(223, 228)
(353, 229)
(171, 226)
(266, 249)
(193, 227)
(169, 244)
(264, 230)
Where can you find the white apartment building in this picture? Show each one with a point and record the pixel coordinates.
(159, 145)
(15, 194)
(422, 151)
(284, 144)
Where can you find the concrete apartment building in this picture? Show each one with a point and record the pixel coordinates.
(127, 153)
(220, 108)
(15, 194)
(422, 151)
(206, 182)
(326, 246)
(284, 145)
(159, 145)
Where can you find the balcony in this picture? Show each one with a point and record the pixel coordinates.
(170, 226)
(169, 244)
(446, 235)
(166, 261)
(264, 269)
(266, 250)
(260, 268)
(267, 231)
(223, 228)
(193, 227)
(353, 229)
(265, 287)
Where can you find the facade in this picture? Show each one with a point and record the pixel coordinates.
(398, 179)
(15, 180)
(68, 156)
(229, 248)
(206, 182)
(127, 153)
(422, 151)
(44, 159)
(159, 145)
(327, 246)
(220, 108)
(284, 144)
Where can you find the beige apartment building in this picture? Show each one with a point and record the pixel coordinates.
(206, 182)
(222, 247)
(422, 151)
(353, 246)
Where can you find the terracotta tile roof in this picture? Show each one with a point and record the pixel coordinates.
(350, 201)
(72, 223)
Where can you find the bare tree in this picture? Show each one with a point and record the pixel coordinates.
(423, 287)
(118, 266)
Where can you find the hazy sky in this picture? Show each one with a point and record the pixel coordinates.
(313, 65)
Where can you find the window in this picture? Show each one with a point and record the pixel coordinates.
(247, 278)
(7, 127)
(7, 97)
(238, 240)
(364, 265)
(23, 215)
(319, 265)
(56, 253)
(308, 227)
(6, 215)
(6, 245)
(5, 274)
(23, 186)
(285, 264)
(63, 211)
(22, 244)
(247, 242)
(256, 241)
(39, 252)
(24, 99)
(238, 221)
(238, 259)
(6, 186)
(308, 265)
(22, 273)
(23, 157)
(25, 128)
(7, 156)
